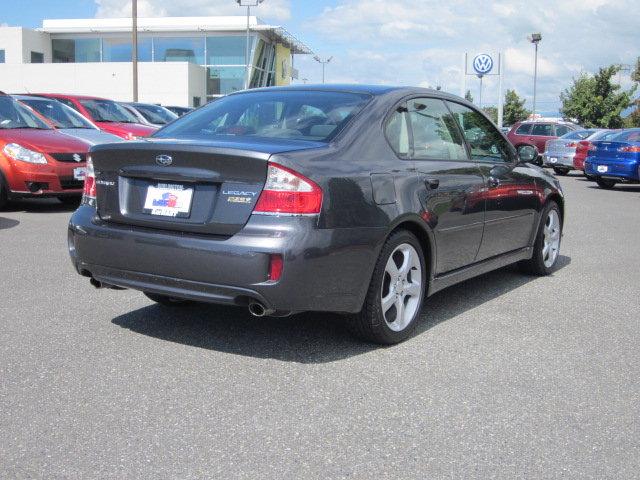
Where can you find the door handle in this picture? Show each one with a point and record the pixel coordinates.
(431, 183)
(493, 182)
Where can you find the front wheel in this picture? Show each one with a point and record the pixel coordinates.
(396, 292)
(560, 171)
(546, 248)
(606, 183)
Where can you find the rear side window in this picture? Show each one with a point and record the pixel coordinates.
(524, 129)
(284, 114)
(397, 132)
(484, 139)
(542, 129)
(435, 134)
(562, 130)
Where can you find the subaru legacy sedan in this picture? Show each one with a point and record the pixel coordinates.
(362, 200)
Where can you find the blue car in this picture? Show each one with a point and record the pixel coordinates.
(616, 160)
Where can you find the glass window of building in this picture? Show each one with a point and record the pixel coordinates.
(228, 50)
(1, 56)
(224, 80)
(119, 49)
(179, 49)
(37, 57)
(79, 50)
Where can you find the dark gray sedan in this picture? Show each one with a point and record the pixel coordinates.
(355, 199)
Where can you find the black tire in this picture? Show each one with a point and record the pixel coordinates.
(370, 323)
(537, 160)
(605, 183)
(165, 300)
(4, 193)
(591, 178)
(71, 201)
(560, 171)
(535, 265)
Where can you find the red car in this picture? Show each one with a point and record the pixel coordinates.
(106, 114)
(537, 133)
(584, 146)
(35, 159)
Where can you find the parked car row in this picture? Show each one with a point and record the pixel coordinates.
(44, 139)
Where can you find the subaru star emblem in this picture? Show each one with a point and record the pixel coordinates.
(77, 157)
(164, 160)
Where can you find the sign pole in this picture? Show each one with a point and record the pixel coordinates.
(500, 99)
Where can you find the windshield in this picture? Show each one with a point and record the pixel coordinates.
(577, 135)
(283, 114)
(108, 111)
(604, 135)
(13, 115)
(155, 113)
(628, 136)
(59, 114)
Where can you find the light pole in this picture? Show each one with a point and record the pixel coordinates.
(535, 38)
(134, 47)
(248, 4)
(323, 63)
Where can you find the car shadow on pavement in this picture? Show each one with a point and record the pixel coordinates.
(306, 337)
(620, 188)
(39, 205)
(6, 223)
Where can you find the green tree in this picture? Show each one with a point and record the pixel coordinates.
(492, 113)
(633, 120)
(595, 101)
(468, 96)
(514, 110)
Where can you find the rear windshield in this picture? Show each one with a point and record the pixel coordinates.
(14, 115)
(59, 114)
(627, 136)
(281, 114)
(155, 113)
(108, 111)
(604, 135)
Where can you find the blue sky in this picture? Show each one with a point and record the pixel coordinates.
(415, 42)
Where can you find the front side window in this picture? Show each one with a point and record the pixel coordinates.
(435, 134)
(108, 111)
(524, 129)
(13, 116)
(293, 115)
(397, 131)
(484, 139)
(542, 129)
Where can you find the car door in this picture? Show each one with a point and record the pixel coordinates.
(510, 193)
(448, 183)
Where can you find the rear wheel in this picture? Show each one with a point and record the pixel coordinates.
(560, 171)
(396, 292)
(605, 183)
(546, 248)
(165, 300)
(590, 177)
(4, 193)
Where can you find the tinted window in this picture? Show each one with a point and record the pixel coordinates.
(577, 135)
(627, 136)
(107, 111)
(604, 135)
(542, 129)
(13, 115)
(59, 114)
(285, 114)
(155, 113)
(397, 132)
(562, 130)
(524, 129)
(435, 134)
(486, 142)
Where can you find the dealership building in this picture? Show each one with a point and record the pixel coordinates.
(184, 61)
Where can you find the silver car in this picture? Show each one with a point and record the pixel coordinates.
(66, 120)
(559, 152)
(150, 114)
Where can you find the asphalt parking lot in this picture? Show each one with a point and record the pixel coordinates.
(507, 377)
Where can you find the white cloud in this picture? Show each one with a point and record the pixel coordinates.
(272, 9)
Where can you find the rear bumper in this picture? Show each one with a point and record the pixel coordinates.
(561, 159)
(34, 180)
(621, 172)
(324, 270)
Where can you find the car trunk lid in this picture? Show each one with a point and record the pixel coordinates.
(186, 186)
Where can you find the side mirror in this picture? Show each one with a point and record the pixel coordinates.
(526, 153)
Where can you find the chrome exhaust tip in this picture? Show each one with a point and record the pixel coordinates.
(258, 310)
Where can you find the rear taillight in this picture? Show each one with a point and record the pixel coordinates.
(571, 145)
(630, 149)
(89, 190)
(287, 192)
(592, 147)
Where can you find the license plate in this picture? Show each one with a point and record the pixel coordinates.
(168, 200)
(79, 173)
(553, 159)
(602, 169)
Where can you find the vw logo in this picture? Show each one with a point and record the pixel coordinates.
(482, 64)
(77, 157)
(164, 160)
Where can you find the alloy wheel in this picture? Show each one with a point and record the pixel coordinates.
(551, 238)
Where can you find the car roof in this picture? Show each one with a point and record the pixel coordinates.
(350, 88)
(64, 95)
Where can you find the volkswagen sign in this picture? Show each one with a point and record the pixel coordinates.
(482, 64)
(164, 160)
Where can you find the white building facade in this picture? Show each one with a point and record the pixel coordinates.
(183, 61)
